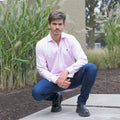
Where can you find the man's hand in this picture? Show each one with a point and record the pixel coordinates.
(62, 80)
(63, 84)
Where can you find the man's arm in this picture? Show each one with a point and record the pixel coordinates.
(42, 65)
(81, 59)
(79, 55)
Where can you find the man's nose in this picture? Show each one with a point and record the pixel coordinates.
(57, 26)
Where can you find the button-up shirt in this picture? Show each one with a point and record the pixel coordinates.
(52, 59)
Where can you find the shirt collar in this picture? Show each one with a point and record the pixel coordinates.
(50, 38)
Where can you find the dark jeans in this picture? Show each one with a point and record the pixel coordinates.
(45, 90)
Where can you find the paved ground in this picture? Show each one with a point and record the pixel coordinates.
(101, 107)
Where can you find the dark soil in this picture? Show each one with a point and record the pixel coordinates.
(19, 103)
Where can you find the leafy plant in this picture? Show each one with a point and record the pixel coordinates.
(22, 24)
(110, 23)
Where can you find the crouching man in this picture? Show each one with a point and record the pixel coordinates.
(55, 59)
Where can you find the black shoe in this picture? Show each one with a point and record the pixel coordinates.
(56, 105)
(82, 110)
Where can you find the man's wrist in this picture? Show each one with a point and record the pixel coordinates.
(56, 81)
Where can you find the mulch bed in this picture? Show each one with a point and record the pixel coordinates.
(19, 103)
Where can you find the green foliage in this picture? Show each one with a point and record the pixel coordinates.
(112, 37)
(21, 25)
(110, 23)
(97, 57)
(103, 58)
(112, 31)
(113, 58)
(91, 13)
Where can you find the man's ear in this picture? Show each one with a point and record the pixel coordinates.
(48, 25)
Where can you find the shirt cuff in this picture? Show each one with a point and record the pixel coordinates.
(54, 79)
(69, 69)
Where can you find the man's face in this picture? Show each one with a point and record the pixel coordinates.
(56, 27)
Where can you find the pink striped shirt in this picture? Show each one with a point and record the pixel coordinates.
(52, 59)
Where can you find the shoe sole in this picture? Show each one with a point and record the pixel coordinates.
(56, 110)
(77, 111)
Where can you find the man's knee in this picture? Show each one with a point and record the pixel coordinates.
(92, 67)
(91, 72)
(36, 94)
(41, 89)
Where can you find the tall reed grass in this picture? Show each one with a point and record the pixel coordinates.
(110, 23)
(21, 25)
(98, 57)
(103, 58)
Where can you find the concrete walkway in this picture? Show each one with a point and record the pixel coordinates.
(101, 107)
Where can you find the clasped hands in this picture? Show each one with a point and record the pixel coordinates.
(62, 80)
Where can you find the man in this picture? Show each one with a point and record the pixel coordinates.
(55, 57)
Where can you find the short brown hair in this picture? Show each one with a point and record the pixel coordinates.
(56, 15)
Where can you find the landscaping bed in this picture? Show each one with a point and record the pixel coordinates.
(19, 103)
